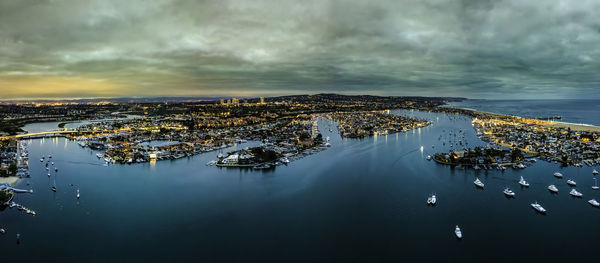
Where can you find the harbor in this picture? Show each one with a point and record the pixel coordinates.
(375, 187)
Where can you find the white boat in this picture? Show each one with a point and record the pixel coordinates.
(538, 207)
(508, 192)
(594, 172)
(476, 167)
(558, 175)
(428, 157)
(595, 186)
(211, 163)
(42, 160)
(571, 182)
(553, 188)
(523, 182)
(458, 232)
(575, 193)
(594, 203)
(478, 183)
(78, 194)
(521, 166)
(433, 199)
(99, 155)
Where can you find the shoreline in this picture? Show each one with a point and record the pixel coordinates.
(12, 180)
(555, 124)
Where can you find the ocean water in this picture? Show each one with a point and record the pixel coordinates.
(571, 110)
(360, 200)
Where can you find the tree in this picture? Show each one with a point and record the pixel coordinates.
(12, 169)
(516, 154)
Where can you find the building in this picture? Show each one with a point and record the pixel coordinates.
(262, 100)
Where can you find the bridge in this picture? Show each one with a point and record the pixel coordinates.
(33, 135)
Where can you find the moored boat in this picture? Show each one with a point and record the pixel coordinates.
(553, 188)
(458, 232)
(571, 182)
(558, 175)
(508, 192)
(575, 193)
(524, 183)
(538, 207)
(478, 183)
(594, 203)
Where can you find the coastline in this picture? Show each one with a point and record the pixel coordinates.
(12, 180)
(554, 124)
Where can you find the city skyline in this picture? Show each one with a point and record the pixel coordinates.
(472, 49)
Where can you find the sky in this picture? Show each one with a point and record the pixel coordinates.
(497, 49)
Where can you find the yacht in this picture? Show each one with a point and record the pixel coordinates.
(594, 203)
(42, 160)
(558, 175)
(523, 182)
(594, 172)
(428, 157)
(78, 194)
(553, 188)
(538, 207)
(595, 186)
(571, 182)
(478, 183)
(458, 232)
(508, 192)
(55, 169)
(99, 155)
(575, 193)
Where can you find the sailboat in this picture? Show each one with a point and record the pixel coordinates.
(478, 183)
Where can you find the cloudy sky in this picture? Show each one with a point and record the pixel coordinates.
(476, 49)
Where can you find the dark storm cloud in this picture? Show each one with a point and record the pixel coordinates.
(486, 49)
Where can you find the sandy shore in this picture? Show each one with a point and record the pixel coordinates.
(12, 180)
(575, 127)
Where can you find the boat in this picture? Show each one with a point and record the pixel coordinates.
(508, 192)
(2, 231)
(431, 200)
(594, 203)
(594, 172)
(99, 155)
(553, 188)
(571, 182)
(48, 174)
(42, 160)
(595, 186)
(538, 207)
(55, 169)
(52, 163)
(78, 194)
(211, 163)
(49, 156)
(575, 193)
(523, 182)
(428, 157)
(558, 175)
(457, 232)
(478, 183)
(53, 188)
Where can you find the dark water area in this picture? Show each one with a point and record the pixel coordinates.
(360, 200)
(580, 111)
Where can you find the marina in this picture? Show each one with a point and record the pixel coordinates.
(381, 188)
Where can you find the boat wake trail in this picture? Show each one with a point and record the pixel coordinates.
(404, 155)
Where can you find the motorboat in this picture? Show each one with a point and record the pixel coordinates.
(508, 192)
(211, 163)
(575, 193)
(78, 194)
(431, 200)
(428, 157)
(524, 183)
(457, 232)
(595, 186)
(558, 175)
(478, 183)
(594, 203)
(553, 188)
(571, 182)
(594, 172)
(53, 188)
(538, 207)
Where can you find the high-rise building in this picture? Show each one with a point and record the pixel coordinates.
(262, 100)
(235, 101)
(222, 102)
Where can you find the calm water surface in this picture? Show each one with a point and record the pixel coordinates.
(360, 200)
